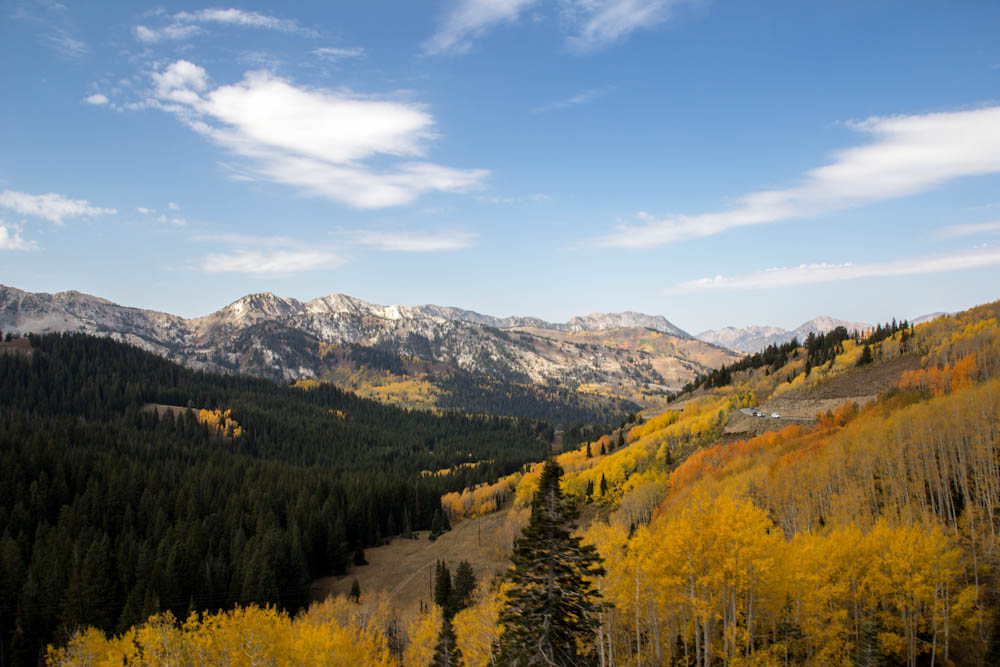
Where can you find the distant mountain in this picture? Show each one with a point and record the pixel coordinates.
(355, 344)
(749, 340)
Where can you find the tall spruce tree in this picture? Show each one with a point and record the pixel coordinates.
(552, 609)
(463, 585)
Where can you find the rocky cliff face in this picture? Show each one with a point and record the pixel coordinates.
(287, 339)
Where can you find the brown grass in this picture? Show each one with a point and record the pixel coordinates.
(405, 568)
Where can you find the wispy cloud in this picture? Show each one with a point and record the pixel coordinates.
(470, 19)
(63, 42)
(332, 53)
(187, 24)
(413, 242)
(580, 98)
(50, 206)
(10, 239)
(806, 274)
(909, 154)
(315, 139)
(599, 23)
(268, 262)
(954, 231)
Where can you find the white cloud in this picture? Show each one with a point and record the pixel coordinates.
(909, 154)
(144, 210)
(169, 32)
(173, 206)
(332, 53)
(186, 24)
(806, 274)
(175, 221)
(10, 239)
(270, 262)
(313, 139)
(953, 231)
(181, 82)
(97, 99)
(470, 19)
(602, 22)
(50, 206)
(411, 242)
(241, 18)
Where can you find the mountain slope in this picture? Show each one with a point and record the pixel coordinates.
(322, 339)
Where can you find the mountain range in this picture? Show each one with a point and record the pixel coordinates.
(749, 340)
(384, 350)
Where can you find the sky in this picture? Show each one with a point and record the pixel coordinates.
(715, 162)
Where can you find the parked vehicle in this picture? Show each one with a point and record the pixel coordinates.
(775, 415)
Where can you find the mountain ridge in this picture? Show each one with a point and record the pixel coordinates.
(754, 338)
(624, 354)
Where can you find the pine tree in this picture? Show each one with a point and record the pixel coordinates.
(442, 589)
(355, 593)
(463, 585)
(359, 555)
(551, 613)
(446, 653)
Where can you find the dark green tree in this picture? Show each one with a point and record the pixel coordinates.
(551, 613)
(866, 356)
(463, 585)
(446, 653)
(355, 593)
(359, 555)
(442, 589)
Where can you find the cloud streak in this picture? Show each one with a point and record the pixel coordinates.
(317, 140)
(580, 98)
(333, 53)
(471, 19)
(908, 155)
(50, 206)
(955, 231)
(413, 242)
(269, 262)
(188, 24)
(599, 23)
(808, 274)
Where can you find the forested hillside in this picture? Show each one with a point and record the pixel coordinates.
(112, 509)
(866, 536)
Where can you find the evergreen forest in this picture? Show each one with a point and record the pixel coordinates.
(130, 486)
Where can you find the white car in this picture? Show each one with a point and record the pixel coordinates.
(775, 415)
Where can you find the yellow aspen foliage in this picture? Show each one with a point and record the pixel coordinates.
(423, 631)
(476, 629)
(221, 422)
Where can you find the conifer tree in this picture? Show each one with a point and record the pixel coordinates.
(552, 608)
(355, 593)
(463, 585)
(446, 653)
(442, 588)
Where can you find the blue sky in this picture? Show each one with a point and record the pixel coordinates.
(719, 163)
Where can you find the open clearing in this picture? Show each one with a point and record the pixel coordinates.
(405, 568)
